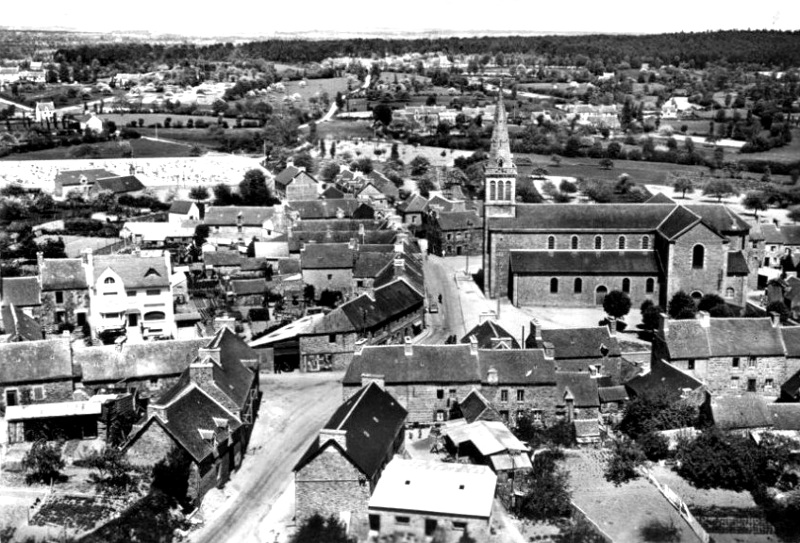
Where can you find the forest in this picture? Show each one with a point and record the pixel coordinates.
(751, 48)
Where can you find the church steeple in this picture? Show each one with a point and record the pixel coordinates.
(500, 153)
(500, 172)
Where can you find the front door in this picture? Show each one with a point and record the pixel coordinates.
(133, 319)
(751, 385)
(375, 523)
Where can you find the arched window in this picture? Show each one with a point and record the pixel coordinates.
(621, 242)
(650, 285)
(553, 285)
(698, 257)
(109, 281)
(645, 242)
(574, 242)
(578, 285)
(492, 190)
(508, 190)
(551, 242)
(626, 285)
(729, 292)
(598, 242)
(154, 316)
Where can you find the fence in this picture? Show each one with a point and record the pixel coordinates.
(736, 525)
(580, 516)
(678, 504)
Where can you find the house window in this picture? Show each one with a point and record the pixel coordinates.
(751, 385)
(38, 393)
(440, 416)
(449, 237)
(574, 242)
(537, 416)
(413, 219)
(503, 395)
(598, 242)
(650, 285)
(153, 292)
(751, 361)
(729, 292)
(403, 521)
(621, 242)
(154, 316)
(553, 286)
(360, 283)
(690, 364)
(59, 297)
(131, 293)
(626, 285)
(734, 382)
(452, 393)
(735, 362)
(551, 242)
(698, 257)
(331, 338)
(459, 526)
(109, 281)
(754, 244)
(520, 395)
(578, 285)
(12, 397)
(645, 242)
(440, 394)
(330, 276)
(769, 383)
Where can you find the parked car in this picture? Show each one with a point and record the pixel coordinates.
(433, 307)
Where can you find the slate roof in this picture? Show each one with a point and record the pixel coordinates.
(287, 175)
(73, 177)
(326, 256)
(580, 386)
(740, 412)
(131, 361)
(678, 222)
(135, 271)
(457, 220)
(119, 185)
(585, 262)
(416, 203)
(411, 272)
(724, 337)
(331, 193)
(616, 393)
(517, 366)
(370, 264)
(63, 274)
(784, 416)
(288, 266)
(791, 340)
(19, 325)
(687, 339)
(790, 233)
(229, 215)
(370, 237)
(384, 184)
(578, 342)
(475, 406)
(580, 217)
(35, 361)
(222, 258)
(659, 198)
(663, 378)
(720, 218)
(389, 301)
(244, 287)
(771, 234)
(737, 264)
(181, 207)
(485, 331)
(20, 291)
(427, 364)
(372, 419)
(324, 209)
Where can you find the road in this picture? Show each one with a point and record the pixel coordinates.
(449, 320)
(293, 409)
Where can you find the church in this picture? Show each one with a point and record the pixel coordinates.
(574, 254)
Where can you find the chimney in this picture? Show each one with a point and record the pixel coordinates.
(330, 434)
(225, 322)
(213, 354)
(367, 378)
(491, 376)
(473, 345)
(328, 232)
(359, 346)
(201, 371)
(399, 263)
(399, 248)
(775, 318)
(612, 326)
(663, 325)
(408, 347)
(158, 411)
(534, 340)
(40, 261)
(88, 257)
(549, 350)
(704, 318)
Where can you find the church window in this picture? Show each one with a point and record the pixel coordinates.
(598, 242)
(492, 190)
(574, 242)
(553, 286)
(650, 285)
(578, 285)
(626, 285)
(508, 190)
(698, 257)
(621, 242)
(645, 242)
(551, 242)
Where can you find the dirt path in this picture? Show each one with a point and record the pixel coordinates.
(294, 408)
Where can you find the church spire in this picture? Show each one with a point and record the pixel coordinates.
(500, 152)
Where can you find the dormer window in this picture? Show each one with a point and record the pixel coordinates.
(150, 272)
(109, 281)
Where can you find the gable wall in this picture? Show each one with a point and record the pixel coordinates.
(328, 485)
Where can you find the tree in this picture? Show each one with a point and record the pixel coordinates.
(201, 232)
(253, 189)
(113, 470)
(43, 463)
(224, 196)
(622, 461)
(755, 200)
(363, 165)
(419, 165)
(44, 203)
(305, 160)
(681, 306)
(651, 313)
(555, 160)
(171, 475)
(548, 495)
(794, 214)
(617, 304)
(199, 193)
(719, 189)
(383, 114)
(655, 411)
(425, 185)
(606, 163)
(780, 309)
(394, 156)
(655, 446)
(567, 187)
(715, 306)
(329, 172)
(683, 185)
(317, 529)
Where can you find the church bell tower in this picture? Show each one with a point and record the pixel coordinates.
(500, 173)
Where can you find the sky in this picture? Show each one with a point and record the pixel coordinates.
(265, 17)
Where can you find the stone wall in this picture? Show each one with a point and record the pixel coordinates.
(535, 289)
(708, 279)
(319, 353)
(74, 302)
(328, 485)
(54, 391)
(536, 398)
(152, 446)
(450, 527)
(340, 279)
(722, 377)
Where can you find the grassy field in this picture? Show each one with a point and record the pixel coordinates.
(787, 154)
(317, 87)
(122, 119)
(337, 130)
(141, 149)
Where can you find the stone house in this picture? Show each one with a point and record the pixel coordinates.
(44, 111)
(728, 355)
(295, 183)
(430, 381)
(341, 469)
(412, 209)
(424, 498)
(328, 266)
(248, 292)
(208, 413)
(491, 335)
(324, 210)
(24, 293)
(454, 233)
(35, 372)
(117, 185)
(183, 210)
(65, 291)
(81, 180)
(18, 326)
(577, 396)
(244, 223)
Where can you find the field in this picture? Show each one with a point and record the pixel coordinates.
(317, 87)
(142, 148)
(337, 130)
(787, 154)
(122, 119)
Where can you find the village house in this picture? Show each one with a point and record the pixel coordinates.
(17, 326)
(244, 223)
(425, 498)
(90, 122)
(780, 241)
(124, 184)
(320, 210)
(80, 180)
(184, 210)
(157, 235)
(341, 469)
(64, 291)
(35, 372)
(24, 293)
(490, 335)
(44, 112)
(594, 350)
(208, 413)
(328, 266)
(454, 233)
(294, 183)
(412, 209)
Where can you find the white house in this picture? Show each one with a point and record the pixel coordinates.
(183, 210)
(92, 122)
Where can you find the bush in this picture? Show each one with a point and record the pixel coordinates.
(622, 461)
(129, 134)
(43, 463)
(258, 314)
(654, 446)
(655, 412)
(548, 496)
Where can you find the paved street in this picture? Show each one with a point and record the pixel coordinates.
(439, 279)
(294, 408)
